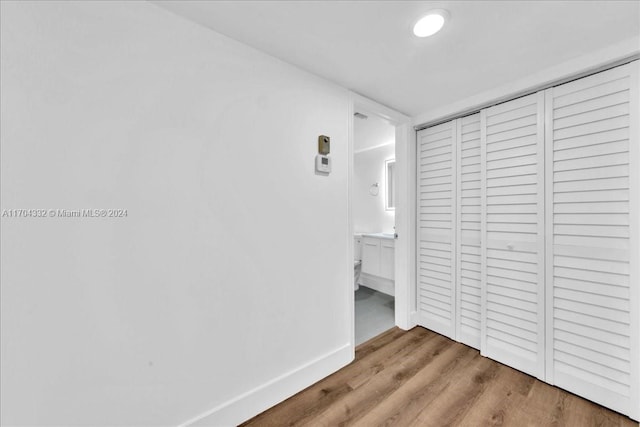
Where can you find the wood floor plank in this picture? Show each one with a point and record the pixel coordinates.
(420, 378)
(509, 390)
(457, 400)
(368, 370)
(297, 410)
(573, 411)
(382, 340)
(405, 404)
(541, 404)
(356, 404)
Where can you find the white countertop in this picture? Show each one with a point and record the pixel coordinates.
(389, 236)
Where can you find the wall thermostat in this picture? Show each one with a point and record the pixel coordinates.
(324, 144)
(323, 163)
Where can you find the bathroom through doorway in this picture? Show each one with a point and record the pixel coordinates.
(373, 217)
(388, 281)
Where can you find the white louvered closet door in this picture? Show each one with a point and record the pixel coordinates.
(513, 233)
(436, 228)
(468, 291)
(592, 249)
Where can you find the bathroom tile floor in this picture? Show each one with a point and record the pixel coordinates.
(374, 313)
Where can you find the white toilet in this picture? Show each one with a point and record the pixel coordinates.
(357, 260)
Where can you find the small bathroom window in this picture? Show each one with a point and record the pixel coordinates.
(390, 184)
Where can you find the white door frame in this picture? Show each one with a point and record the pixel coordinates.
(405, 254)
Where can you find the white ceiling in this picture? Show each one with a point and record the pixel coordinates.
(368, 47)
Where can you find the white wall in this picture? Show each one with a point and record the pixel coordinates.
(369, 214)
(200, 299)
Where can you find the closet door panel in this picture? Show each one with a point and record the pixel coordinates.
(592, 201)
(468, 231)
(437, 228)
(512, 195)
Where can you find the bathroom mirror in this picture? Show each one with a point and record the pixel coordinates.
(390, 184)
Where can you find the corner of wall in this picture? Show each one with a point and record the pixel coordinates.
(243, 407)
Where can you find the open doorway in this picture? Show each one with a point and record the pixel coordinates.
(373, 218)
(401, 201)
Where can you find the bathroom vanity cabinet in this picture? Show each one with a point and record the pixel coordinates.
(378, 260)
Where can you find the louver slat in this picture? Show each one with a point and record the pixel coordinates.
(590, 327)
(436, 228)
(468, 224)
(513, 233)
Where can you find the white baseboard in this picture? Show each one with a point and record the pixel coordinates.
(379, 284)
(247, 405)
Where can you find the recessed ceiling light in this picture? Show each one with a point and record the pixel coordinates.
(431, 23)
